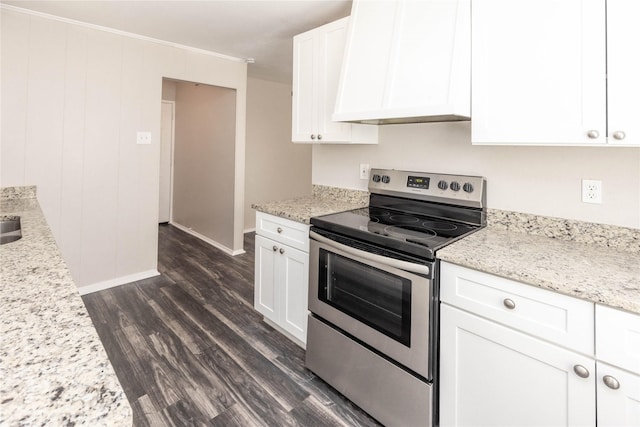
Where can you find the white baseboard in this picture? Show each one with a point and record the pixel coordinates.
(208, 240)
(112, 283)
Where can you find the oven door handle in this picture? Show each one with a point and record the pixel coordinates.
(391, 262)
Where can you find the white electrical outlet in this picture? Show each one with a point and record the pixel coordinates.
(143, 138)
(591, 191)
(364, 171)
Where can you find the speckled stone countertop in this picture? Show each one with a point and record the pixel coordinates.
(53, 367)
(592, 262)
(595, 262)
(324, 200)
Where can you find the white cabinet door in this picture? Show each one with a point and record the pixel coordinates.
(281, 285)
(618, 337)
(305, 89)
(539, 72)
(317, 60)
(623, 69)
(406, 60)
(618, 407)
(265, 292)
(293, 281)
(330, 51)
(618, 343)
(493, 375)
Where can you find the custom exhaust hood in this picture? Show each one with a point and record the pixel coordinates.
(406, 61)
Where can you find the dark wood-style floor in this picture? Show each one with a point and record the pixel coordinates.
(189, 349)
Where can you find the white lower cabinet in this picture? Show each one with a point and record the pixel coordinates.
(618, 397)
(493, 375)
(618, 354)
(513, 354)
(282, 277)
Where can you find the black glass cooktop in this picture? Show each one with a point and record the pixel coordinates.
(408, 232)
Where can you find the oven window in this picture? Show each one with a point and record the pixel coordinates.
(375, 297)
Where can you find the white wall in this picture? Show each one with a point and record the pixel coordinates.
(203, 161)
(73, 98)
(538, 180)
(276, 169)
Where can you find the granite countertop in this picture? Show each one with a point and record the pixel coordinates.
(323, 201)
(589, 271)
(595, 262)
(53, 367)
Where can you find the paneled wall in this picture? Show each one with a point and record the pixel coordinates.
(538, 180)
(73, 98)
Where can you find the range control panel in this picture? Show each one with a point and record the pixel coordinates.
(465, 190)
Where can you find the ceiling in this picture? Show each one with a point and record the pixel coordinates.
(261, 30)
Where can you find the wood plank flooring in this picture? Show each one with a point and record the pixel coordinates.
(190, 350)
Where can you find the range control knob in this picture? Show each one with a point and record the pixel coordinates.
(443, 185)
(467, 187)
(386, 179)
(376, 178)
(455, 186)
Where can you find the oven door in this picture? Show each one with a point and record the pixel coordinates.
(383, 302)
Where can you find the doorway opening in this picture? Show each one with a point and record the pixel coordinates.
(197, 161)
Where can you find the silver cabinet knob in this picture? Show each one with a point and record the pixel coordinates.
(281, 250)
(319, 137)
(313, 136)
(279, 230)
(581, 371)
(593, 134)
(611, 382)
(619, 135)
(509, 303)
(275, 248)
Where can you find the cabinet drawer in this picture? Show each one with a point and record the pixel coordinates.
(285, 231)
(557, 318)
(618, 338)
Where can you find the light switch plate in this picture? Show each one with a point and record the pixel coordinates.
(364, 171)
(144, 138)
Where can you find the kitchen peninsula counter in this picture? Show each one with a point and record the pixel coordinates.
(598, 263)
(53, 366)
(324, 200)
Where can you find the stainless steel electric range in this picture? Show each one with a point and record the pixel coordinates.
(373, 290)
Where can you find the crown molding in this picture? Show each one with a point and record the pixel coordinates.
(120, 33)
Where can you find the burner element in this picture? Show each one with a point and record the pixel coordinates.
(403, 219)
(440, 225)
(410, 233)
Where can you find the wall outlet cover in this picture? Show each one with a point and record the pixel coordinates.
(591, 191)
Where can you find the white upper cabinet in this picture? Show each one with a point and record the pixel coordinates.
(623, 70)
(540, 72)
(406, 61)
(317, 58)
